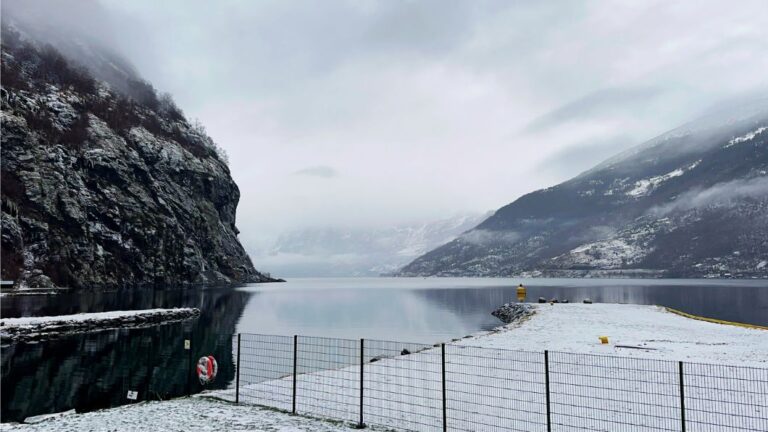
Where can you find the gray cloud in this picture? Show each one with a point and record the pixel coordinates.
(603, 102)
(725, 194)
(482, 237)
(579, 157)
(427, 107)
(322, 171)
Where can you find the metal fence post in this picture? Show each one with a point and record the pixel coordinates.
(682, 397)
(150, 369)
(445, 411)
(295, 357)
(546, 384)
(190, 371)
(360, 424)
(237, 378)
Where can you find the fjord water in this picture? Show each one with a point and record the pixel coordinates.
(95, 370)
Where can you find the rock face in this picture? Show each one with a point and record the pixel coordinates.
(512, 312)
(108, 189)
(690, 203)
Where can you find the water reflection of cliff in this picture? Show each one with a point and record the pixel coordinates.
(96, 370)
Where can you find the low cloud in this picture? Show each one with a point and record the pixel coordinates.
(595, 233)
(727, 194)
(579, 157)
(322, 171)
(483, 237)
(604, 102)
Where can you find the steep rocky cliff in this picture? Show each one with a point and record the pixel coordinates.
(106, 184)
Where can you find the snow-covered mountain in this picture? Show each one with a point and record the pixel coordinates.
(359, 251)
(690, 203)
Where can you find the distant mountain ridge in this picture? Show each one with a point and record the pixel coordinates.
(374, 251)
(690, 203)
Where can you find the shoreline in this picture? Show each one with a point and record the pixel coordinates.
(35, 329)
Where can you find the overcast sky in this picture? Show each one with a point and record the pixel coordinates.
(349, 113)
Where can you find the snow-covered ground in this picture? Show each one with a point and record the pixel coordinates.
(495, 381)
(46, 327)
(665, 335)
(182, 415)
(96, 316)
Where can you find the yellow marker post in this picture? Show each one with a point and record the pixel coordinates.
(603, 340)
(521, 293)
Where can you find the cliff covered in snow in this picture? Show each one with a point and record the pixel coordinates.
(105, 184)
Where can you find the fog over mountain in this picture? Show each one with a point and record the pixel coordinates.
(329, 251)
(360, 115)
(692, 202)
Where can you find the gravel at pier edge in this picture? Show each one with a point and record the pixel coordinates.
(512, 312)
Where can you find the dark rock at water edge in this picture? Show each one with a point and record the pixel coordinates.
(106, 189)
(512, 312)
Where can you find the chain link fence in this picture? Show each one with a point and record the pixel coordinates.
(416, 387)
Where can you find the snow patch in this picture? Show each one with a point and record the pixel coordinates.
(645, 186)
(746, 137)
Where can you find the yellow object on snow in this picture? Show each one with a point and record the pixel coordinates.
(520, 293)
(604, 340)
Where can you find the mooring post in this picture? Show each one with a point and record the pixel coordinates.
(237, 378)
(295, 358)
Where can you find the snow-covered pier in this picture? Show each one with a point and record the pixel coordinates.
(497, 380)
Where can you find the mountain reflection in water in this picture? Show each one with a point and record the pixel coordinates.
(96, 370)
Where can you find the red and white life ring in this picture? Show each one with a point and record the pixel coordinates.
(207, 368)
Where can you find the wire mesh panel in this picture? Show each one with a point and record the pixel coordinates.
(328, 380)
(417, 387)
(495, 390)
(402, 385)
(603, 393)
(731, 398)
(266, 370)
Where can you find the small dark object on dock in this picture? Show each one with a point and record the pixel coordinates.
(404, 351)
(565, 301)
(587, 301)
(554, 301)
(542, 300)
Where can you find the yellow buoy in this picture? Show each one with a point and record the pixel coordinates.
(520, 293)
(604, 340)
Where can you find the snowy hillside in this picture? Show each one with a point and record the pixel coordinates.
(690, 203)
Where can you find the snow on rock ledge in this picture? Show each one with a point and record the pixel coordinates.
(50, 327)
(512, 312)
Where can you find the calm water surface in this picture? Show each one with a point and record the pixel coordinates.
(96, 370)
